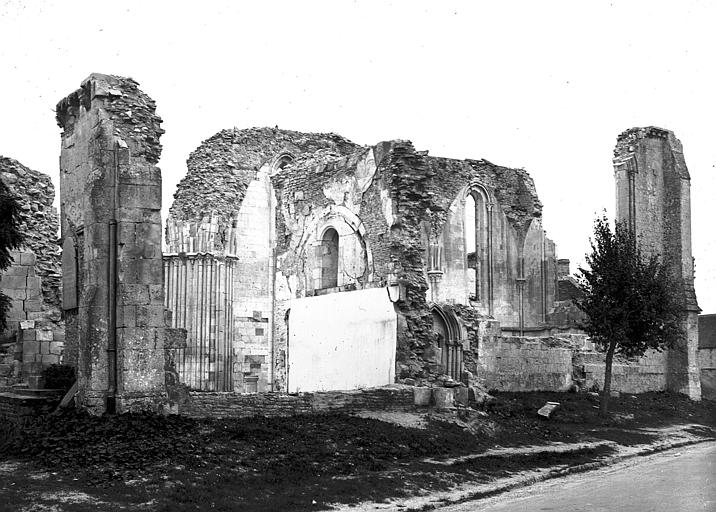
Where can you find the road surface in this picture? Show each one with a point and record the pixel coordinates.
(673, 481)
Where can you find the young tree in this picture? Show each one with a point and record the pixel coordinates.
(631, 301)
(10, 238)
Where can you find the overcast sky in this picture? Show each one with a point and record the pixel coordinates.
(542, 85)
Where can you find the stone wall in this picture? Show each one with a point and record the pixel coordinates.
(707, 355)
(393, 210)
(515, 262)
(646, 373)
(39, 223)
(34, 337)
(654, 199)
(224, 211)
(110, 205)
(17, 410)
(508, 363)
(556, 363)
(24, 287)
(234, 405)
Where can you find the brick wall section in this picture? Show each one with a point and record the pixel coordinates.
(233, 405)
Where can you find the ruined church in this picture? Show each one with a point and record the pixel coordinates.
(296, 263)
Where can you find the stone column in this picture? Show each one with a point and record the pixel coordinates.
(654, 197)
(110, 208)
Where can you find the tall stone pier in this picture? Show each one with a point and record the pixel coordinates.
(113, 293)
(654, 198)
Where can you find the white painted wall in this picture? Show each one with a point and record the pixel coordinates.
(342, 341)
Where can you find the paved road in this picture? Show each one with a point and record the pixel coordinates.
(673, 481)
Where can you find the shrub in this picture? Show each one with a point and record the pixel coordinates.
(59, 376)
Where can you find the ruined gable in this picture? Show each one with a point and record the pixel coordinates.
(221, 168)
(513, 189)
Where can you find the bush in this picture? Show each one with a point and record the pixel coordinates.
(59, 376)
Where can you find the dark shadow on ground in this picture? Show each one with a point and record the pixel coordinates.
(290, 463)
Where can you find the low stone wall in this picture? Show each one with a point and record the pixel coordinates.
(508, 363)
(648, 373)
(235, 405)
(16, 410)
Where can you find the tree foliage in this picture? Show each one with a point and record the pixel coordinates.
(10, 238)
(631, 300)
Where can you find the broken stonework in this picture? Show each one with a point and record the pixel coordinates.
(275, 237)
(220, 170)
(266, 217)
(220, 244)
(39, 223)
(111, 230)
(654, 199)
(34, 337)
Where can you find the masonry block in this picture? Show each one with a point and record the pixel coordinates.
(44, 335)
(13, 282)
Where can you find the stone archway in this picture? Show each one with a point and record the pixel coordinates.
(450, 336)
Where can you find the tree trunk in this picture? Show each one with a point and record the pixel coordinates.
(604, 402)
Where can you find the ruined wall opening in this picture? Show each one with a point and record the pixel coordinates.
(450, 335)
(477, 236)
(329, 252)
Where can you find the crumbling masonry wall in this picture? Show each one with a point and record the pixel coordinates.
(220, 258)
(402, 206)
(654, 198)
(110, 203)
(264, 204)
(34, 337)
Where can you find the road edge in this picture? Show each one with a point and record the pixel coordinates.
(526, 481)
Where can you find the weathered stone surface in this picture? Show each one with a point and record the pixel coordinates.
(422, 396)
(654, 199)
(443, 398)
(548, 410)
(236, 405)
(109, 185)
(221, 168)
(39, 223)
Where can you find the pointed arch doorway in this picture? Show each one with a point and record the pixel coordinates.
(451, 336)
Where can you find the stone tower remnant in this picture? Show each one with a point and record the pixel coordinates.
(113, 291)
(654, 198)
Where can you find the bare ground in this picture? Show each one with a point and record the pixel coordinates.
(74, 462)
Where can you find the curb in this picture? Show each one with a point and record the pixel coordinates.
(549, 475)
